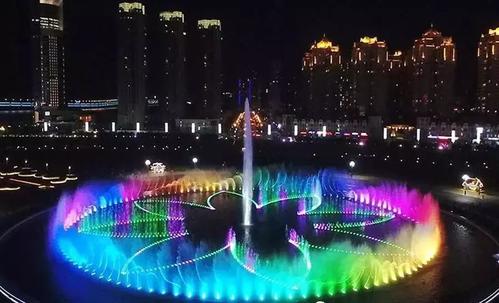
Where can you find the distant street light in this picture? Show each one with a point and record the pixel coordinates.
(148, 162)
(351, 164)
(195, 160)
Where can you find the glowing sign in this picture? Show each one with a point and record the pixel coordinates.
(473, 184)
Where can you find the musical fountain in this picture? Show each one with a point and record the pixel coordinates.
(305, 235)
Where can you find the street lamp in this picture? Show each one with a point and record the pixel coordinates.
(195, 161)
(352, 164)
(148, 162)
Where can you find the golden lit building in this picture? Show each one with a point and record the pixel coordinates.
(322, 67)
(433, 63)
(488, 71)
(370, 81)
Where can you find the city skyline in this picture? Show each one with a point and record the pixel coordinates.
(233, 69)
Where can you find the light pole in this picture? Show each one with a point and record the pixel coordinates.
(351, 164)
(465, 178)
(195, 161)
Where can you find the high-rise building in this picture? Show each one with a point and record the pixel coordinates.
(322, 67)
(347, 103)
(210, 47)
(173, 59)
(274, 96)
(370, 81)
(433, 73)
(48, 55)
(488, 71)
(397, 105)
(131, 64)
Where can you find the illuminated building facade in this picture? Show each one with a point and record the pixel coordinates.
(369, 71)
(173, 59)
(210, 95)
(488, 71)
(131, 64)
(322, 68)
(433, 72)
(48, 55)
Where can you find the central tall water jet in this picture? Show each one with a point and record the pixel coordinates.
(247, 166)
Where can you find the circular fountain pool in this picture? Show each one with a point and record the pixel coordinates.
(313, 236)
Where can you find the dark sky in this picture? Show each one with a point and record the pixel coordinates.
(255, 33)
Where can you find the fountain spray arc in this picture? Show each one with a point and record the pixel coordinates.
(247, 166)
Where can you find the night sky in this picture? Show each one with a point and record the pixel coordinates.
(256, 33)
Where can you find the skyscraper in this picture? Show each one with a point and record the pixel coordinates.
(322, 67)
(274, 105)
(370, 82)
(172, 52)
(398, 105)
(131, 64)
(433, 73)
(48, 55)
(488, 71)
(210, 96)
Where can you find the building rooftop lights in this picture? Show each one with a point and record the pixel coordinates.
(129, 7)
(447, 41)
(432, 33)
(207, 23)
(494, 31)
(167, 16)
(397, 54)
(51, 2)
(325, 44)
(369, 40)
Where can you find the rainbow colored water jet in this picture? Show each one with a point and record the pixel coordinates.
(344, 237)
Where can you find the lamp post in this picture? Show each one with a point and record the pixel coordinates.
(351, 164)
(465, 178)
(195, 161)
